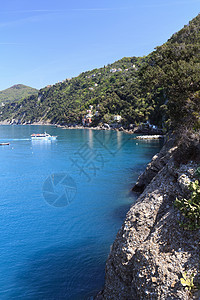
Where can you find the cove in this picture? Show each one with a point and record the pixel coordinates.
(62, 203)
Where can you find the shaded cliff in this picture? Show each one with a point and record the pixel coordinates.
(151, 250)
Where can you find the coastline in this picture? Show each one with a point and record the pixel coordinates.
(151, 251)
(144, 134)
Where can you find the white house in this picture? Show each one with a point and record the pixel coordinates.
(117, 118)
(113, 70)
(89, 112)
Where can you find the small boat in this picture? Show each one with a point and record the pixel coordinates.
(43, 136)
(4, 144)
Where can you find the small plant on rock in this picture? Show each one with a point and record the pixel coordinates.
(187, 281)
(190, 208)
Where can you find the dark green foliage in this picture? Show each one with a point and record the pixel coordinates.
(197, 172)
(171, 77)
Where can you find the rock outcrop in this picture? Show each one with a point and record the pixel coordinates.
(151, 250)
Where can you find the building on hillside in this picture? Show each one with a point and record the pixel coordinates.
(147, 126)
(115, 70)
(117, 118)
(87, 120)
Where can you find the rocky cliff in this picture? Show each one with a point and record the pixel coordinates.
(151, 250)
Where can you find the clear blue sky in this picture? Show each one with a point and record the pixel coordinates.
(45, 41)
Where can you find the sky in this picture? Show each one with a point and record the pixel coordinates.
(46, 41)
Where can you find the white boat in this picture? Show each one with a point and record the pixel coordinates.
(43, 136)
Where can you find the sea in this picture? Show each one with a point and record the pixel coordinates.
(62, 203)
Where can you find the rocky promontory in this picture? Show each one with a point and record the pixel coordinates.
(151, 251)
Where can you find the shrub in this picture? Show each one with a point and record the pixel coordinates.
(190, 208)
(187, 281)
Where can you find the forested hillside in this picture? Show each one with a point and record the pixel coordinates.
(171, 78)
(163, 87)
(16, 93)
(113, 88)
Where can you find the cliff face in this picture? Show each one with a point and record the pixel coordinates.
(151, 250)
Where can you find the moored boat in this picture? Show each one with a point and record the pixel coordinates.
(4, 144)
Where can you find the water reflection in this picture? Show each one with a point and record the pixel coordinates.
(90, 134)
(42, 143)
(119, 139)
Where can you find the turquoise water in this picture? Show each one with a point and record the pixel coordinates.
(62, 204)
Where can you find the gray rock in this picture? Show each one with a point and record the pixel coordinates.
(151, 250)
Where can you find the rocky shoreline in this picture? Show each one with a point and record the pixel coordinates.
(151, 250)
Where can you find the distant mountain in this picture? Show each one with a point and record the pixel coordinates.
(16, 93)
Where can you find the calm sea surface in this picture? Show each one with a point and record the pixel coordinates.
(62, 204)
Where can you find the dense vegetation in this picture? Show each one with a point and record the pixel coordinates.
(171, 78)
(190, 208)
(163, 87)
(16, 93)
(109, 91)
